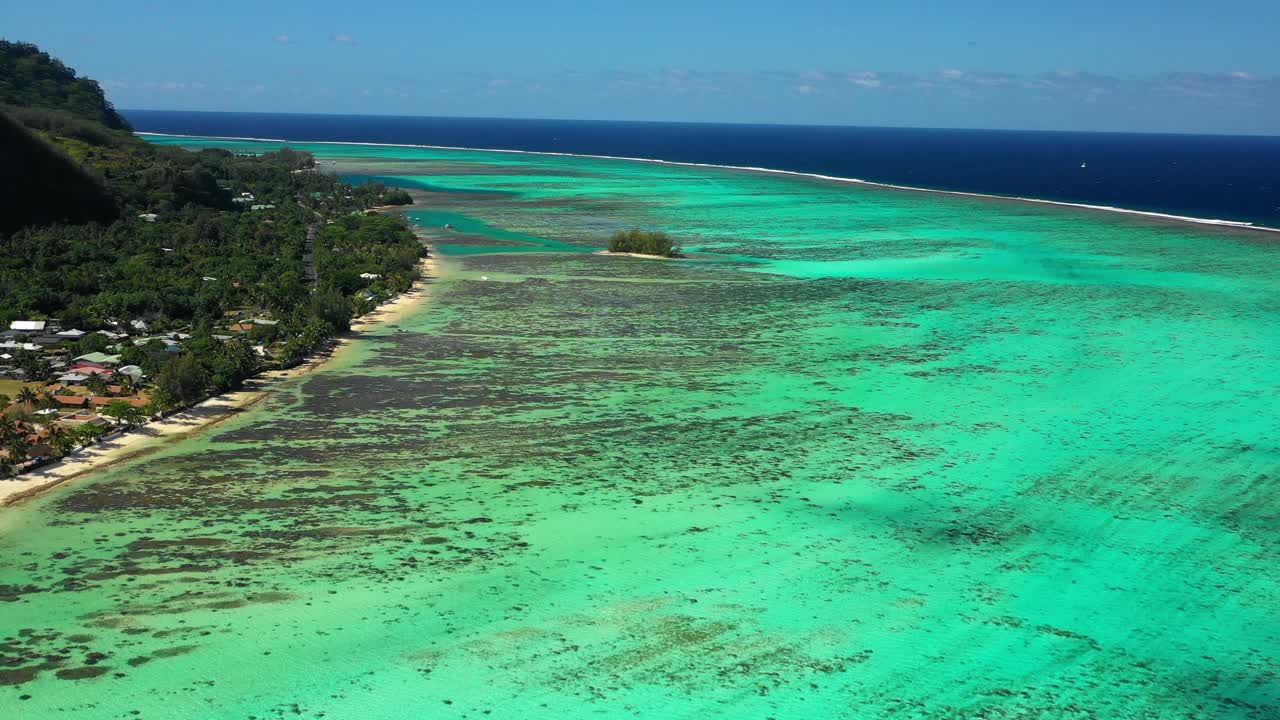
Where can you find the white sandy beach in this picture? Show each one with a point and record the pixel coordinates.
(208, 413)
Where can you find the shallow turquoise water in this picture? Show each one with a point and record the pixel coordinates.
(866, 454)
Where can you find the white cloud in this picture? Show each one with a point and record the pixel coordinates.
(343, 39)
(282, 39)
(865, 79)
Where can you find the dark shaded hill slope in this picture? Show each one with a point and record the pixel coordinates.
(40, 185)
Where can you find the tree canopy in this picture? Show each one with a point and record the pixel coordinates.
(644, 242)
(31, 78)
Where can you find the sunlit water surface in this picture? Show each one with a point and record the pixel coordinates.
(865, 454)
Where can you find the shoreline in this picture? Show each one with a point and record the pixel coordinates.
(1211, 222)
(635, 255)
(207, 413)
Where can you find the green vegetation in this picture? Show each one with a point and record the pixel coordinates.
(30, 78)
(397, 196)
(643, 242)
(252, 261)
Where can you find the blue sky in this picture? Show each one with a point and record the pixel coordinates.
(1173, 66)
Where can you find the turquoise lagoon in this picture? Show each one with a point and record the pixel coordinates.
(866, 453)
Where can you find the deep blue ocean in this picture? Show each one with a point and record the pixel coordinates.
(1205, 176)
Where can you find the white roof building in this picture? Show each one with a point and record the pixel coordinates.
(132, 371)
(27, 325)
(14, 345)
(72, 333)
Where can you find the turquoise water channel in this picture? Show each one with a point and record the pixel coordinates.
(866, 453)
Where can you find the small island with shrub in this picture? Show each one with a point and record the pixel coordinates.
(643, 242)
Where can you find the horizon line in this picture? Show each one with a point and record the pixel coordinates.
(706, 122)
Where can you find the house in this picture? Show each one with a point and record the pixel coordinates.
(72, 333)
(103, 401)
(131, 371)
(138, 324)
(113, 335)
(27, 326)
(90, 370)
(370, 276)
(149, 217)
(263, 321)
(262, 207)
(241, 327)
(71, 401)
(100, 359)
(83, 417)
(73, 378)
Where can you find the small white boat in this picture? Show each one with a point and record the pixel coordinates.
(1084, 165)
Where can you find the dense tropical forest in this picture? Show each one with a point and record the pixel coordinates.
(197, 268)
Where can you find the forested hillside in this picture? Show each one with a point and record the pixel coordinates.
(30, 78)
(197, 268)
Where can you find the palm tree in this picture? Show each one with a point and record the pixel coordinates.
(60, 439)
(8, 428)
(96, 384)
(18, 448)
(27, 396)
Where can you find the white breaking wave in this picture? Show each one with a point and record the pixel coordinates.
(816, 176)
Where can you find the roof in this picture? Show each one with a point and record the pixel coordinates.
(71, 400)
(132, 371)
(89, 370)
(27, 325)
(72, 333)
(73, 377)
(241, 327)
(99, 358)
